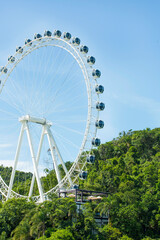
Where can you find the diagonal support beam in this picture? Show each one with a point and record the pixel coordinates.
(15, 161)
(37, 161)
(53, 155)
(59, 154)
(34, 162)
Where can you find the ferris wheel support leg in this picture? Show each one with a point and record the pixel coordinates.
(34, 163)
(15, 161)
(60, 157)
(37, 161)
(53, 155)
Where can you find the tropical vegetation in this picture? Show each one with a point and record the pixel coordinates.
(128, 168)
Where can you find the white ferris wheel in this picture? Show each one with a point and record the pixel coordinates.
(49, 108)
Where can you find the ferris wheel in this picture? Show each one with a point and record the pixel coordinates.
(49, 107)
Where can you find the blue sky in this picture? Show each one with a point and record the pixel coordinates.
(124, 37)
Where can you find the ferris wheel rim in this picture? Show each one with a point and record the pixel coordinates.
(86, 77)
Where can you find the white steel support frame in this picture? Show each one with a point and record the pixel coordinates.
(52, 144)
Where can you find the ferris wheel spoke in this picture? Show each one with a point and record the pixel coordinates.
(64, 109)
(55, 95)
(69, 109)
(70, 120)
(49, 67)
(12, 104)
(57, 79)
(19, 91)
(63, 82)
(67, 140)
(53, 73)
(9, 113)
(75, 99)
(64, 147)
(11, 126)
(54, 67)
(71, 89)
(42, 80)
(62, 106)
(25, 81)
(31, 83)
(6, 119)
(69, 129)
(12, 101)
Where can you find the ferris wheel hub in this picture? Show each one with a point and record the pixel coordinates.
(29, 118)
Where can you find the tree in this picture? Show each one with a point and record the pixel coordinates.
(125, 237)
(3, 236)
(12, 213)
(109, 233)
(62, 234)
(22, 231)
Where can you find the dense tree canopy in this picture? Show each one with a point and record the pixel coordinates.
(128, 168)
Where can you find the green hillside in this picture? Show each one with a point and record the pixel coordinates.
(128, 168)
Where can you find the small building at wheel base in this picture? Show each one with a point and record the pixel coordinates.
(81, 197)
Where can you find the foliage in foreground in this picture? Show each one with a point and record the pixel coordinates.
(129, 169)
